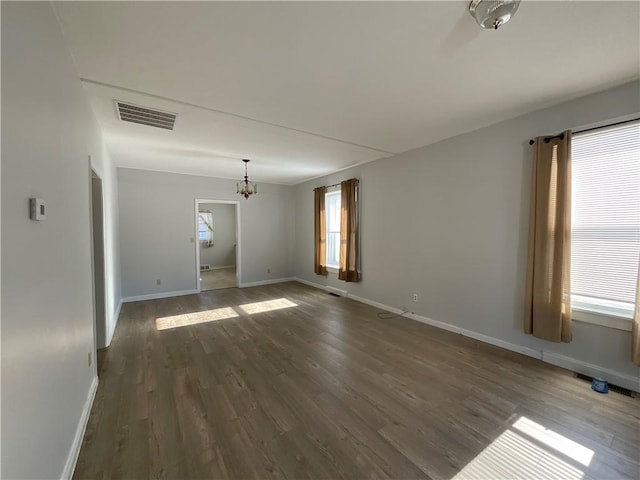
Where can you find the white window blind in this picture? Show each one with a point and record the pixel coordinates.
(332, 208)
(605, 219)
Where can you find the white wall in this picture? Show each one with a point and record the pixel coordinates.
(449, 221)
(157, 230)
(48, 132)
(223, 251)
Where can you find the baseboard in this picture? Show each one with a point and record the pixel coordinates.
(442, 325)
(336, 291)
(114, 323)
(266, 282)
(72, 459)
(529, 352)
(616, 378)
(326, 288)
(153, 296)
(436, 323)
(216, 268)
(374, 304)
(514, 347)
(311, 284)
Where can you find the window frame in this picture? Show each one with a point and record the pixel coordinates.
(582, 313)
(334, 192)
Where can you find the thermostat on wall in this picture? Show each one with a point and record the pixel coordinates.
(37, 209)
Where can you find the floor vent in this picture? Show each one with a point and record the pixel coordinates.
(128, 112)
(613, 388)
(205, 267)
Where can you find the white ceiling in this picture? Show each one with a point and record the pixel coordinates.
(304, 89)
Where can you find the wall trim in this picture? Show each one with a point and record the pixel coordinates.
(435, 323)
(311, 284)
(336, 291)
(153, 296)
(591, 370)
(72, 458)
(572, 364)
(218, 268)
(455, 329)
(114, 323)
(266, 282)
(376, 304)
(438, 324)
(609, 321)
(514, 347)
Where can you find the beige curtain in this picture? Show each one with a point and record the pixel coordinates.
(547, 295)
(635, 329)
(349, 234)
(320, 240)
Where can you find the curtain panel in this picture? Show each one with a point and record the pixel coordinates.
(320, 232)
(207, 219)
(547, 294)
(349, 232)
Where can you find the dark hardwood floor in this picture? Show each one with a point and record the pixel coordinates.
(325, 389)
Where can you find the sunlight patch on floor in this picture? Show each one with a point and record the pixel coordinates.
(267, 306)
(529, 451)
(175, 321)
(554, 440)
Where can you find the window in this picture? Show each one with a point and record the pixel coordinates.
(605, 220)
(205, 227)
(332, 208)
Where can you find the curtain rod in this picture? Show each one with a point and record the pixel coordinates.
(551, 137)
(336, 184)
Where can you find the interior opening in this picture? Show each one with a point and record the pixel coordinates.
(217, 245)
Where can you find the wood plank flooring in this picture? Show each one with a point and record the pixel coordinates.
(290, 382)
(218, 278)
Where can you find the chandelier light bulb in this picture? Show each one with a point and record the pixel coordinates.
(245, 187)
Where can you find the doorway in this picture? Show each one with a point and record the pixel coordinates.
(97, 234)
(217, 244)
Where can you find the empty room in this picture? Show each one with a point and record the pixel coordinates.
(320, 240)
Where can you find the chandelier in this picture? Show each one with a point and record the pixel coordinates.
(245, 187)
(493, 13)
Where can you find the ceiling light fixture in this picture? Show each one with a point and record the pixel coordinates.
(245, 187)
(492, 14)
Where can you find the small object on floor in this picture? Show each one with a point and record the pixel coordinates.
(599, 385)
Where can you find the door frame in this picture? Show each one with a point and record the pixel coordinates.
(93, 174)
(197, 203)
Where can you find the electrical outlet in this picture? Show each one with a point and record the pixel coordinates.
(158, 282)
(89, 358)
(415, 297)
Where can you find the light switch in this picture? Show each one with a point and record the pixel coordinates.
(37, 209)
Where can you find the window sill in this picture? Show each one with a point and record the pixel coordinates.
(611, 321)
(332, 269)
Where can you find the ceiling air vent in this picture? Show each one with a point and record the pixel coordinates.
(145, 116)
